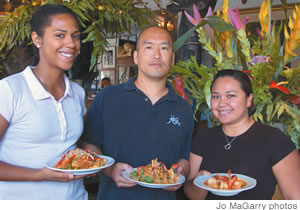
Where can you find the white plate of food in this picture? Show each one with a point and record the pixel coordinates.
(241, 184)
(82, 163)
(127, 175)
(144, 175)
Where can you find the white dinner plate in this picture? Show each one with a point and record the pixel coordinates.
(109, 161)
(199, 181)
(126, 174)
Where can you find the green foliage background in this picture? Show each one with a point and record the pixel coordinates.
(98, 18)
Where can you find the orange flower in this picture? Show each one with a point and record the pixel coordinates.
(264, 17)
(292, 38)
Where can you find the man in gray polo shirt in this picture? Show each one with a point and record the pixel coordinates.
(141, 120)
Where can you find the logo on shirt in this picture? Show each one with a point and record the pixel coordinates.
(174, 120)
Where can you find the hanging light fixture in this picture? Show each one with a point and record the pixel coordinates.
(170, 26)
(165, 21)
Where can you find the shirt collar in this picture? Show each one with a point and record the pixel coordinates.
(171, 96)
(37, 89)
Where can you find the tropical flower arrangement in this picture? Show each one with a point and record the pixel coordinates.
(276, 86)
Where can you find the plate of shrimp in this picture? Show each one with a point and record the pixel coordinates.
(81, 162)
(225, 184)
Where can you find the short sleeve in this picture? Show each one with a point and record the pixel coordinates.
(196, 144)
(281, 146)
(6, 98)
(93, 125)
(204, 140)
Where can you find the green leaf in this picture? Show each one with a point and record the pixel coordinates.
(148, 179)
(293, 59)
(218, 24)
(134, 174)
(93, 59)
(89, 37)
(290, 112)
(269, 112)
(279, 69)
(207, 92)
(260, 117)
(275, 110)
(181, 40)
(280, 111)
(296, 113)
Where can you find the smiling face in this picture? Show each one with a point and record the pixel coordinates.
(229, 103)
(60, 43)
(154, 55)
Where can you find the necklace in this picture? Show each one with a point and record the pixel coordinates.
(228, 145)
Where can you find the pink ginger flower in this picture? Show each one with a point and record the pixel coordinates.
(234, 17)
(197, 17)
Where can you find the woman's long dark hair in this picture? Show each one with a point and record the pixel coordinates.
(41, 19)
(244, 81)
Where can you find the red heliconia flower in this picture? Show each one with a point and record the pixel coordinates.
(295, 99)
(273, 84)
(177, 84)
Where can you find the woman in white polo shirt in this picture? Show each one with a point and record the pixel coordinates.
(41, 113)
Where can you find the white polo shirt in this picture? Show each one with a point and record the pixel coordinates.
(40, 129)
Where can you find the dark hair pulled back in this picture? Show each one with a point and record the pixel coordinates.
(41, 19)
(243, 80)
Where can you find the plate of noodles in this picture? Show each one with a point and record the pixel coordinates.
(81, 162)
(154, 175)
(225, 184)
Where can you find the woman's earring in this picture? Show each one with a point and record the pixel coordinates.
(38, 46)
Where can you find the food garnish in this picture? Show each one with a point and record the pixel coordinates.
(156, 173)
(80, 159)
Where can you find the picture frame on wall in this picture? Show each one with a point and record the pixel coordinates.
(109, 58)
(110, 73)
(125, 72)
(126, 47)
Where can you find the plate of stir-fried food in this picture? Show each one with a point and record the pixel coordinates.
(82, 162)
(155, 175)
(225, 184)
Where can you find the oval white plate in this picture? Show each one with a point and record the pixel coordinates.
(126, 174)
(109, 161)
(199, 182)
